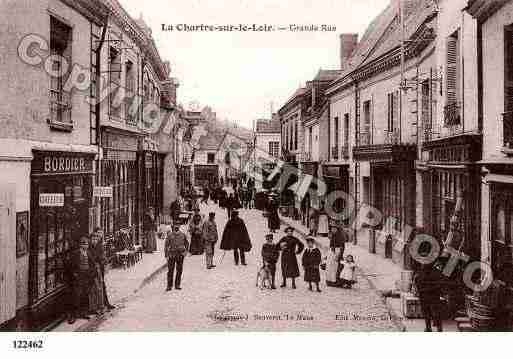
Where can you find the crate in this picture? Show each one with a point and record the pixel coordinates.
(410, 306)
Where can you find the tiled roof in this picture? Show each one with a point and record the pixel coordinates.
(384, 34)
(327, 75)
(210, 141)
(268, 126)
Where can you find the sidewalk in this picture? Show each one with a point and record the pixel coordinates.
(382, 274)
(121, 284)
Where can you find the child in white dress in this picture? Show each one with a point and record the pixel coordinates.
(347, 274)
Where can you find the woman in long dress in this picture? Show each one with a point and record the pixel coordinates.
(150, 231)
(273, 221)
(96, 294)
(196, 233)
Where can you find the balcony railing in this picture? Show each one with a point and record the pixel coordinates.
(306, 156)
(364, 139)
(334, 152)
(507, 130)
(452, 114)
(60, 108)
(345, 151)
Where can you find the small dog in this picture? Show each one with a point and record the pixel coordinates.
(263, 279)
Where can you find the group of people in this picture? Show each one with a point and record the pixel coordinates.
(86, 278)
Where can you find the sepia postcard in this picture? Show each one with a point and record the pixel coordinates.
(255, 166)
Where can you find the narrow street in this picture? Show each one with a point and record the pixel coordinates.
(226, 298)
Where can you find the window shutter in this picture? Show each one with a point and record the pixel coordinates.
(451, 77)
(508, 90)
(395, 109)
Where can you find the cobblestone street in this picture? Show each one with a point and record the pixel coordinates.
(226, 298)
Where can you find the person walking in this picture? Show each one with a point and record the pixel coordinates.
(290, 247)
(314, 221)
(230, 204)
(175, 209)
(206, 195)
(338, 238)
(311, 261)
(175, 249)
(195, 231)
(149, 226)
(210, 238)
(428, 281)
(99, 250)
(273, 219)
(236, 238)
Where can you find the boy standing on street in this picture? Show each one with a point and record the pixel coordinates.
(270, 255)
(210, 237)
(175, 248)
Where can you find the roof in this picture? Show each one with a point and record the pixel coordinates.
(210, 141)
(483, 9)
(327, 75)
(384, 33)
(268, 126)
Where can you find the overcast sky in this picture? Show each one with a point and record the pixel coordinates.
(240, 74)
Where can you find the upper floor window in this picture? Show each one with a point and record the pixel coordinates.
(211, 157)
(60, 48)
(130, 76)
(452, 80)
(393, 111)
(364, 138)
(346, 129)
(274, 149)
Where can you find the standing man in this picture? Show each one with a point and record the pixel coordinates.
(210, 237)
(236, 238)
(175, 248)
(290, 247)
(338, 238)
(149, 227)
(100, 254)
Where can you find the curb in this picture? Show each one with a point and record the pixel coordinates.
(92, 324)
(396, 318)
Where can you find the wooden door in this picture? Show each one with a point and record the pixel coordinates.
(7, 253)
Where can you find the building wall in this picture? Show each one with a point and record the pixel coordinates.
(342, 103)
(25, 105)
(24, 108)
(493, 80)
(493, 48)
(451, 17)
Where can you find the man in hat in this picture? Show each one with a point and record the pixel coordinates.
(290, 247)
(270, 255)
(236, 238)
(210, 237)
(175, 248)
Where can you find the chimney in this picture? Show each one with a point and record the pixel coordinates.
(348, 43)
(168, 97)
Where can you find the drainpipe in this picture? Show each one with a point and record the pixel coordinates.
(98, 114)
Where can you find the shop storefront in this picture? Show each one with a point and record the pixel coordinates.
(336, 178)
(153, 175)
(61, 212)
(393, 194)
(206, 174)
(452, 186)
(310, 200)
(120, 170)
